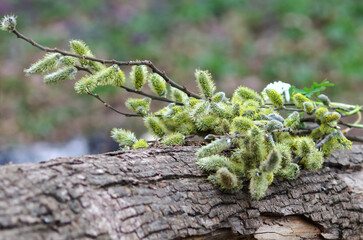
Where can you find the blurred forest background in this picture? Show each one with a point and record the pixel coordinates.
(240, 42)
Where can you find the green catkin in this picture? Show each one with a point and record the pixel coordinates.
(205, 83)
(226, 180)
(178, 95)
(139, 76)
(275, 98)
(213, 163)
(324, 99)
(308, 107)
(123, 137)
(139, 106)
(181, 117)
(258, 184)
(140, 144)
(157, 84)
(48, 63)
(236, 109)
(155, 126)
(241, 125)
(285, 152)
(224, 128)
(112, 75)
(207, 123)
(319, 114)
(214, 147)
(62, 74)
(219, 97)
(173, 139)
(338, 141)
(79, 47)
(275, 116)
(299, 99)
(304, 146)
(221, 110)
(191, 102)
(331, 116)
(242, 94)
(292, 121)
(66, 61)
(186, 128)
(85, 85)
(289, 172)
(251, 103)
(326, 129)
(317, 133)
(272, 163)
(313, 161)
(171, 110)
(273, 125)
(249, 112)
(255, 147)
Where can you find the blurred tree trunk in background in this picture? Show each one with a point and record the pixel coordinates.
(160, 193)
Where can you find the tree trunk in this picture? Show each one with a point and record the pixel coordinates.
(159, 193)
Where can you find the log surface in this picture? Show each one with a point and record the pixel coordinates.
(160, 193)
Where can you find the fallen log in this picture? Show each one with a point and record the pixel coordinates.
(160, 193)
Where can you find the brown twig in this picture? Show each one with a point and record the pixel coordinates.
(152, 96)
(325, 140)
(290, 130)
(119, 63)
(137, 92)
(214, 136)
(112, 108)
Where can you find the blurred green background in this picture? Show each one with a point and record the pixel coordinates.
(240, 42)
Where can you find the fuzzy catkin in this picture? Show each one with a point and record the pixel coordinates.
(205, 83)
(214, 147)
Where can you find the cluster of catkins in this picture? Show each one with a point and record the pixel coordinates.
(252, 143)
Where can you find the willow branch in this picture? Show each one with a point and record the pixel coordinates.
(137, 92)
(214, 136)
(291, 131)
(112, 108)
(151, 96)
(325, 140)
(333, 106)
(119, 63)
(307, 119)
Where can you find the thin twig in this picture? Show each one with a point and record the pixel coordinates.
(119, 63)
(112, 108)
(152, 96)
(307, 119)
(290, 130)
(325, 140)
(348, 107)
(79, 68)
(214, 136)
(137, 92)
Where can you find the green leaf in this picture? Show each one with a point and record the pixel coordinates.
(316, 88)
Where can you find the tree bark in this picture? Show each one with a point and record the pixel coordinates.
(160, 193)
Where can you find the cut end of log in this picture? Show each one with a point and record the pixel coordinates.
(286, 228)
